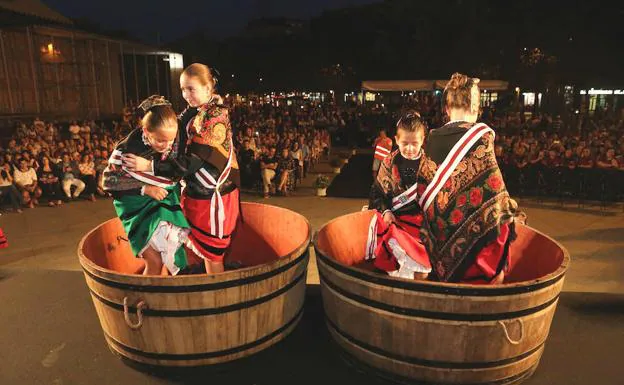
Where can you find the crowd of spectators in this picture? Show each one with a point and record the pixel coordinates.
(548, 155)
(276, 145)
(58, 162)
(55, 162)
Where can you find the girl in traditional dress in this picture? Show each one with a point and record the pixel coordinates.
(394, 233)
(210, 199)
(149, 205)
(469, 216)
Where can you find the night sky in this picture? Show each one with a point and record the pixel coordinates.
(174, 19)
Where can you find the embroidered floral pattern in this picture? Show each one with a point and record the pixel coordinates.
(456, 217)
(476, 196)
(211, 126)
(495, 182)
(461, 200)
(473, 202)
(441, 224)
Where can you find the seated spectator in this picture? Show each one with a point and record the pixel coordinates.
(49, 182)
(586, 160)
(268, 167)
(305, 153)
(285, 168)
(7, 187)
(297, 155)
(70, 174)
(100, 159)
(32, 162)
(87, 175)
(25, 178)
(607, 160)
(246, 162)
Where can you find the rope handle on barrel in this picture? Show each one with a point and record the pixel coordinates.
(516, 342)
(140, 306)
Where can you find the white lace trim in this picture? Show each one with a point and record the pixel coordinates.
(407, 265)
(167, 239)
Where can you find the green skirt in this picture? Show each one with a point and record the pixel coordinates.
(141, 215)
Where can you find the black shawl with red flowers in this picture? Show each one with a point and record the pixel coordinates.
(469, 209)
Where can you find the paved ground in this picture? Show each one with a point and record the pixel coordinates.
(50, 334)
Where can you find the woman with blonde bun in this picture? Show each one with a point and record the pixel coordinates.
(469, 216)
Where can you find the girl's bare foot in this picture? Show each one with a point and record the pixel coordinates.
(420, 276)
(499, 279)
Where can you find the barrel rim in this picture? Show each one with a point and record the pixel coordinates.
(444, 287)
(196, 279)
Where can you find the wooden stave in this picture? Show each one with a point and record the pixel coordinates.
(274, 338)
(504, 374)
(361, 283)
(284, 311)
(170, 282)
(546, 289)
(287, 274)
(414, 374)
(291, 268)
(391, 330)
(429, 286)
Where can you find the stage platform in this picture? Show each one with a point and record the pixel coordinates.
(50, 333)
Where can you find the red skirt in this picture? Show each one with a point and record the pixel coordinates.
(397, 248)
(202, 240)
(483, 270)
(3, 241)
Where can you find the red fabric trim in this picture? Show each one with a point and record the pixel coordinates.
(198, 213)
(488, 259)
(154, 178)
(407, 236)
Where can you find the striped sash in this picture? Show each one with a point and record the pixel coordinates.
(145, 177)
(405, 198)
(457, 153)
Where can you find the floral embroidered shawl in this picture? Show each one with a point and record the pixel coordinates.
(469, 209)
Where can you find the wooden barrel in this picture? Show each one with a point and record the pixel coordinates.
(202, 319)
(433, 332)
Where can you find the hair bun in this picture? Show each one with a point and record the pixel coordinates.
(151, 102)
(457, 81)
